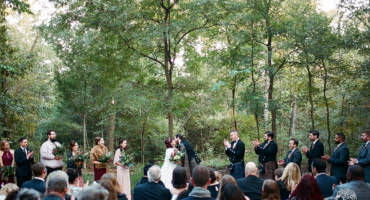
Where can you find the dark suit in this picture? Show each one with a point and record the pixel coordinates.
(316, 151)
(23, 166)
(251, 186)
(325, 183)
(338, 161)
(236, 157)
(267, 158)
(295, 157)
(35, 184)
(364, 160)
(52, 197)
(151, 191)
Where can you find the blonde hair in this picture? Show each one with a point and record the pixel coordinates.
(291, 175)
(10, 187)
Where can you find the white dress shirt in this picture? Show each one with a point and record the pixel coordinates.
(47, 157)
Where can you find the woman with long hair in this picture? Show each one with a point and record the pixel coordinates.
(179, 181)
(73, 152)
(291, 177)
(98, 151)
(168, 166)
(270, 190)
(307, 189)
(229, 190)
(123, 171)
(111, 184)
(6, 160)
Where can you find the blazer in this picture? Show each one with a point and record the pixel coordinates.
(23, 165)
(151, 191)
(316, 151)
(1, 160)
(236, 154)
(35, 184)
(266, 154)
(326, 183)
(251, 186)
(359, 187)
(189, 149)
(296, 157)
(364, 160)
(338, 161)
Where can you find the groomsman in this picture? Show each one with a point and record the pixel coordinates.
(47, 157)
(293, 155)
(235, 151)
(363, 158)
(24, 159)
(339, 158)
(316, 150)
(267, 155)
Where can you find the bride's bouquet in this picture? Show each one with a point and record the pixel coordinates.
(126, 159)
(177, 157)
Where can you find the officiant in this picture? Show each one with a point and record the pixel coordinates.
(235, 152)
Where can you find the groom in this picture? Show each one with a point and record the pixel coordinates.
(191, 159)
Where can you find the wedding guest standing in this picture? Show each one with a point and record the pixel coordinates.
(293, 154)
(73, 152)
(316, 150)
(47, 157)
(363, 158)
(339, 158)
(98, 151)
(266, 155)
(123, 171)
(6, 159)
(235, 151)
(24, 160)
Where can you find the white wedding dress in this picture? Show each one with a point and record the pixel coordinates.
(167, 169)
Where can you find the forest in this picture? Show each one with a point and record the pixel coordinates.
(146, 70)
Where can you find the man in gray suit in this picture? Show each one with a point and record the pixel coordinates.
(356, 183)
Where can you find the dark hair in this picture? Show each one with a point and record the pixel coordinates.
(212, 175)
(37, 169)
(367, 132)
(146, 167)
(72, 175)
(49, 132)
(108, 185)
(97, 139)
(21, 139)
(270, 134)
(315, 132)
(319, 165)
(179, 178)
(200, 175)
(295, 141)
(179, 136)
(13, 195)
(72, 144)
(2, 144)
(167, 142)
(270, 190)
(341, 135)
(355, 172)
(120, 142)
(279, 172)
(231, 192)
(307, 189)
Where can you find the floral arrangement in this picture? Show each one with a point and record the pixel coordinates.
(105, 158)
(6, 172)
(58, 151)
(126, 159)
(80, 158)
(177, 157)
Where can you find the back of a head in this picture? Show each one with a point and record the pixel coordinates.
(278, 172)
(108, 185)
(319, 165)
(231, 192)
(111, 178)
(72, 175)
(94, 192)
(251, 168)
(56, 174)
(227, 179)
(146, 168)
(179, 178)
(7, 188)
(291, 175)
(355, 172)
(212, 175)
(28, 194)
(307, 189)
(200, 176)
(270, 190)
(37, 169)
(57, 184)
(154, 173)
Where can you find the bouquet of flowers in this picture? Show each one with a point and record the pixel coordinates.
(80, 158)
(105, 158)
(126, 159)
(177, 157)
(58, 151)
(6, 172)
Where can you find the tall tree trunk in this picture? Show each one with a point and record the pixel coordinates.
(112, 127)
(4, 120)
(327, 106)
(266, 95)
(342, 112)
(271, 72)
(84, 133)
(142, 141)
(254, 84)
(233, 91)
(292, 116)
(310, 93)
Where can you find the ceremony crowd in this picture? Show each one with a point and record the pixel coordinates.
(182, 177)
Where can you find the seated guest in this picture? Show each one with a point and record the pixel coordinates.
(291, 176)
(355, 178)
(73, 188)
(37, 183)
(117, 189)
(278, 173)
(251, 185)
(58, 174)
(325, 182)
(28, 194)
(226, 181)
(214, 186)
(144, 179)
(56, 188)
(7, 189)
(152, 190)
(270, 190)
(94, 192)
(112, 189)
(179, 181)
(293, 155)
(200, 180)
(307, 189)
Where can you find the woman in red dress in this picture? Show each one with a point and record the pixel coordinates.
(6, 159)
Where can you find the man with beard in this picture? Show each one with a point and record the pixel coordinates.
(191, 158)
(339, 158)
(47, 157)
(363, 158)
(316, 150)
(266, 155)
(293, 154)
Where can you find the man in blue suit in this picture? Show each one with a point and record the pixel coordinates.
(37, 183)
(325, 182)
(316, 149)
(339, 158)
(293, 155)
(363, 158)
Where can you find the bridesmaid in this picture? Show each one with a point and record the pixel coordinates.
(96, 152)
(6, 159)
(73, 152)
(123, 172)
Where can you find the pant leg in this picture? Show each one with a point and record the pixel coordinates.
(269, 170)
(239, 170)
(22, 179)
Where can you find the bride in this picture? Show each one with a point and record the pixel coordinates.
(168, 166)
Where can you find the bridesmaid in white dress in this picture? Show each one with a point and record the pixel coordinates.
(123, 172)
(168, 166)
